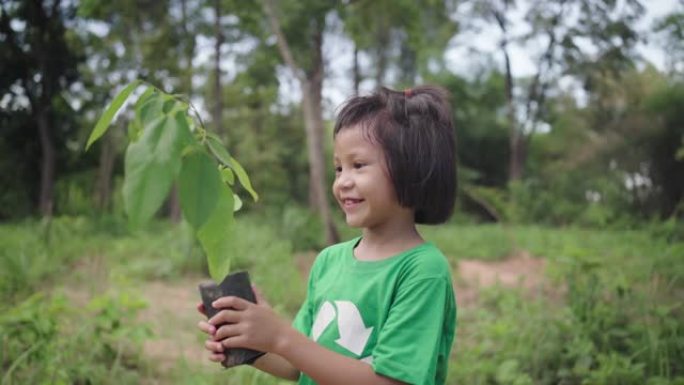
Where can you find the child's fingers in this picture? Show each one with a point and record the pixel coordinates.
(217, 357)
(213, 346)
(201, 309)
(225, 316)
(225, 331)
(206, 327)
(231, 302)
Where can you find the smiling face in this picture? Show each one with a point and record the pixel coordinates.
(362, 184)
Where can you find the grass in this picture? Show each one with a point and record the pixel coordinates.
(619, 321)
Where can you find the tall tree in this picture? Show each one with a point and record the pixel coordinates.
(39, 65)
(671, 29)
(402, 38)
(609, 26)
(138, 40)
(217, 106)
(188, 28)
(310, 20)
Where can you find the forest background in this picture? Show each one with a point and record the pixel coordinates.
(570, 138)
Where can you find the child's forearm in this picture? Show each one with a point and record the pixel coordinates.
(324, 366)
(276, 365)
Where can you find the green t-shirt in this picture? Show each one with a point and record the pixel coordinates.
(397, 314)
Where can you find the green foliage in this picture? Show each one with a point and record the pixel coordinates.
(600, 324)
(108, 115)
(164, 143)
(46, 338)
(198, 170)
(489, 242)
(302, 227)
(216, 236)
(152, 164)
(32, 251)
(189, 373)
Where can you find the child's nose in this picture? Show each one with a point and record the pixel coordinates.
(345, 180)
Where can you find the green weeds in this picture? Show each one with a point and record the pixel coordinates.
(615, 316)
(44, 339)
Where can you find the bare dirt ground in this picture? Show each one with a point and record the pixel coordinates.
(172, 312)
(172, 315)
(519, 270)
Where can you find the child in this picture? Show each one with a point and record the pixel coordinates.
(380, 308)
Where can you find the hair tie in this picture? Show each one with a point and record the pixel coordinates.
(408, 92)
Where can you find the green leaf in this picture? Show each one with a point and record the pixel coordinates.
(227, 176)
(144, 97)
(216, 236)
(151, 165)
(243, 178)
(199, 186)
(238, 202)
(135, 127)
(151, 109)
(217, 149)
(108, 115)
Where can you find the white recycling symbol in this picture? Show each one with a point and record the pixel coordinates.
(353, 333)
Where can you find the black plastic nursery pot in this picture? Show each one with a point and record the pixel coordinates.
(238, 285)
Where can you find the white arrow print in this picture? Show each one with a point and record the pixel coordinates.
(353, 333)
(325, 316)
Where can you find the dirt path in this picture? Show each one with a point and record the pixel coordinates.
(470, 276)
(519, 270)
(171, 312)
(171, 304)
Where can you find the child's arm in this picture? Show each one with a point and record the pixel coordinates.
(256, 326)
(277, 366)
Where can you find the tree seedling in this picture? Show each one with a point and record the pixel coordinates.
(168, 144)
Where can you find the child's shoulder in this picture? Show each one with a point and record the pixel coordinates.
(427, 260)
(340, 247)
(331, 256)
(337, 250)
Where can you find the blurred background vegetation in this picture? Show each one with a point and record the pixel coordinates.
(570, 143)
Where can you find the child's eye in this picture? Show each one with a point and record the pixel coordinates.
(338, 169)
(358, 165)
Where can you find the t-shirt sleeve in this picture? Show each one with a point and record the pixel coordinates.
(304, 319)
(410, 342)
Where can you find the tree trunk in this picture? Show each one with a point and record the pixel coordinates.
(47, 166)
(313, 124)
(381, 53)
(313, 120)
(174, 204)
(408, 64)
(218, 102)
(357, 71)
(311, 85)
(516, 139)
(186, 88)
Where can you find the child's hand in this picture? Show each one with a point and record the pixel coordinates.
(214, 347)
(242, 324)
(201, 309)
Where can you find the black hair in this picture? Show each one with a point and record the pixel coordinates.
(416, 132)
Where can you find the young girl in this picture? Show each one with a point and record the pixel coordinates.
(380, 308)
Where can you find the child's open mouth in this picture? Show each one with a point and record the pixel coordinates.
(350, 203)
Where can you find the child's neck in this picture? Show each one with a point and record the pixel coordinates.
(377, 244)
